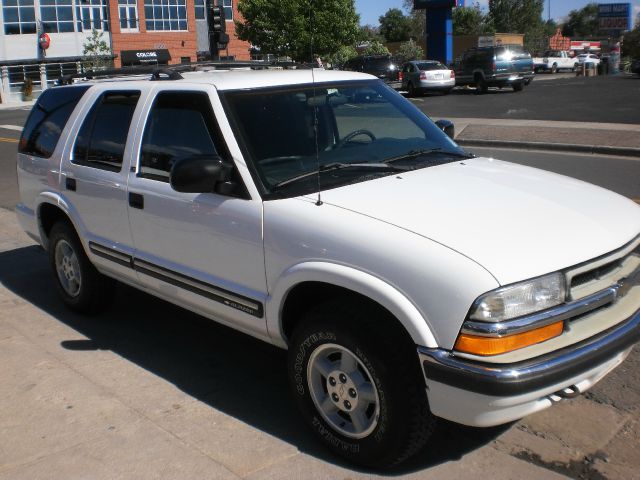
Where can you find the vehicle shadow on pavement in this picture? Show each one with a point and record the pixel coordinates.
(233, 373)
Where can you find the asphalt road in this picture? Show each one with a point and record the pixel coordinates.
(607, 99)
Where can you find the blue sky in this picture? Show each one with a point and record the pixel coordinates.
(371, 10)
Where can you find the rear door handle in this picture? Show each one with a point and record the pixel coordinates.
(136, 200)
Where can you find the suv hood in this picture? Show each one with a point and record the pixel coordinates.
(517, 222)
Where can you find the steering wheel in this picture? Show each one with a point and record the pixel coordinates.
(354, 134)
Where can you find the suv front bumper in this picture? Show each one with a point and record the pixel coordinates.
(486, 394)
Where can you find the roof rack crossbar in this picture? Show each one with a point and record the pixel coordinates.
(172, 72)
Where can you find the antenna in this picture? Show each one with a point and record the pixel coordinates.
(315, 108)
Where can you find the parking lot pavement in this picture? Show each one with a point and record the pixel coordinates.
(148, 390)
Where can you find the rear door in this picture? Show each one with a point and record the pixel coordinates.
(95, 177)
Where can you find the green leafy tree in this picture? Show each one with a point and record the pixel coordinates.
(471, 21)
(582, 23)
(369, 33)
(516, 16)
(343, 54)
(376, 48)
(631, 43)
(290, 27)
(395, 26)
(96, 52)
(409, 51)
(417, 20)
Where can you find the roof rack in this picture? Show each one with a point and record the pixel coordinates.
(173, 72)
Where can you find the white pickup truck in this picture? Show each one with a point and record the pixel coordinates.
(554, 60)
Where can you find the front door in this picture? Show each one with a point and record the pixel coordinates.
(204, 250)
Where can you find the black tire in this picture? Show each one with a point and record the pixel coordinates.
(518, 86)
(411, 90)
(447, 92)
(398, 421)
(554, 68)
(82, 288)
(481, 86)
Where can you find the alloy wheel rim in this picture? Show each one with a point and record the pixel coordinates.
(343, 391)
(68, 268)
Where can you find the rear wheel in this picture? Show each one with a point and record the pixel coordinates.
(358, 385)
(481, 86)
(518, 86)
(80, 285)
(554, 68)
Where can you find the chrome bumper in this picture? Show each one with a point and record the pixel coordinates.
(535, 374)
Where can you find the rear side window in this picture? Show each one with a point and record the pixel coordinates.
(103, 135)
(47, 120)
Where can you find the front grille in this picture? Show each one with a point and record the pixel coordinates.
(595, 274)
(604, 274)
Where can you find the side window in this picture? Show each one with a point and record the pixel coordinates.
(180, 124)
(103, 134)
(47, 120)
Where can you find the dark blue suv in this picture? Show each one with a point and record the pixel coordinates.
(497, 66)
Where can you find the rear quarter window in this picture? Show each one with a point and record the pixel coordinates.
(47, 119)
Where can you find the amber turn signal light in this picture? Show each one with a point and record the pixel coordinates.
(484, 346)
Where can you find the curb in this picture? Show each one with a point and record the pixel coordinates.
(562, 147)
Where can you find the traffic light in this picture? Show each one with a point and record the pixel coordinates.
(217, 29)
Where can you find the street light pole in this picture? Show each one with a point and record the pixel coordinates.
(549, 11)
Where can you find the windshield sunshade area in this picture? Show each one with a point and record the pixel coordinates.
(343, 133)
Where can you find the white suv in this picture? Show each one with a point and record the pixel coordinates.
(322, 212)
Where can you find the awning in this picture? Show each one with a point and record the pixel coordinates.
(141, 57)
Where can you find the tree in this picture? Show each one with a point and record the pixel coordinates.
(409, 51)
(343, 54)
(471, 21)
(394, 26)
(369, 33)
(294, 28)
(376, 48)
(516, 16)
(417, 20)
(582, 23)
(631, 43)
(96, 51)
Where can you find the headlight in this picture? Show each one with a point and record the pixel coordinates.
(520, 299)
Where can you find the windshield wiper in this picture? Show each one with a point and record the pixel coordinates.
(339, 166)
(411, 154)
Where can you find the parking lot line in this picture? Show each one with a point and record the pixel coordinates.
(8, 140)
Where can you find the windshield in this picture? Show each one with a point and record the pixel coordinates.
(358, 123)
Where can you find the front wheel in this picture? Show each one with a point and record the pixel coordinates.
(358, 385)
(80, 285)
(518, 86)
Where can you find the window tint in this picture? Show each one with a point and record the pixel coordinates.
(103, 135)
(180, 124)
(47, 120)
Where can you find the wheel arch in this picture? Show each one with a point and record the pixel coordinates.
(51, 209)
(308, 284)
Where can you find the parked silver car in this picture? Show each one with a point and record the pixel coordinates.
(419, 76)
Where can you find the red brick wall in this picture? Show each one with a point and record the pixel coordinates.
(179, 44)
(238, 48)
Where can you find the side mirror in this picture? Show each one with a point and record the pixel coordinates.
(199, 174)
(447, 127)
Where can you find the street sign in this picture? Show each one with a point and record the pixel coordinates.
(421, 4)
(614, 18)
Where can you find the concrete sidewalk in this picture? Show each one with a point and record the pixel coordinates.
(149, 391)
(586, 137)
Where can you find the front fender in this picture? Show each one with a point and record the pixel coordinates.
(349, 278)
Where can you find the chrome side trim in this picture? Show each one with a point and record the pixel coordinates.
(111, 254)
(202, 288)
(513, 379)
(541, 319)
